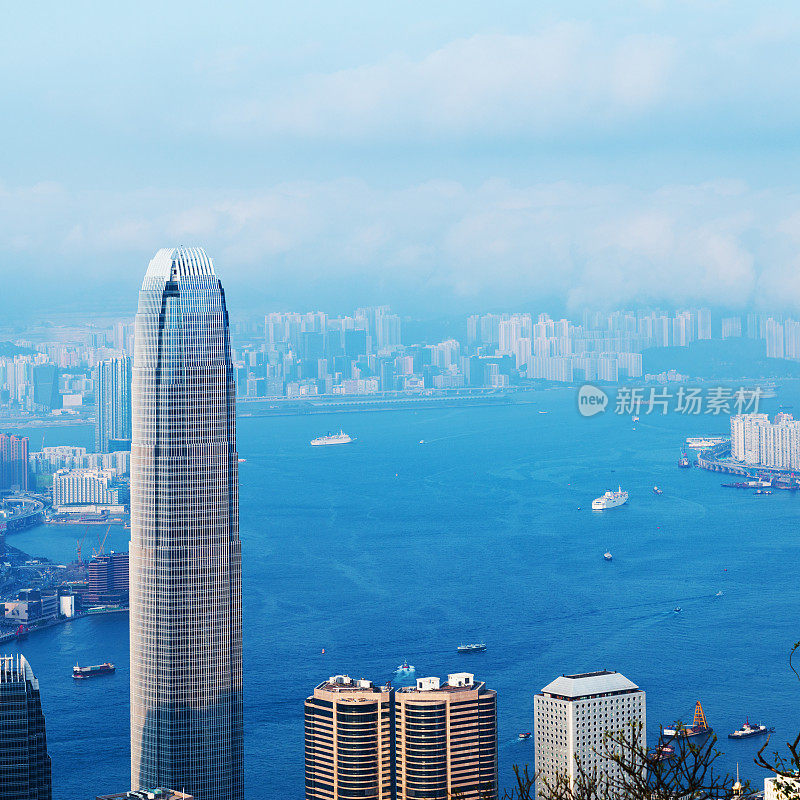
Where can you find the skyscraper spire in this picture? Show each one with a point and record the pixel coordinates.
(185, 570)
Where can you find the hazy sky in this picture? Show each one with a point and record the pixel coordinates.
(439, 156)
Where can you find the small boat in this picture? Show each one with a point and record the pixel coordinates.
(543, 412)
(763, 491)
(634, 419)
(700, 726)
(656, 490)
(241, 460)
(405, 669)
(92, 672)
(662, 753)
(677, 609)
(748, 729)
(471, 648)
(683, 461)
(422, 441)
(719, 593)
(607, 556)
(526, 735)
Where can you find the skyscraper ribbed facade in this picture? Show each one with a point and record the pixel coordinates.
(185, 557)
(112, 379)
(24, 763)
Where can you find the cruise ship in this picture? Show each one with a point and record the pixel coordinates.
(332, 438)
(610, 500)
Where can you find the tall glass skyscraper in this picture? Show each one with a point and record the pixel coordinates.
(185, 557)
(24, 763)
(112, 382)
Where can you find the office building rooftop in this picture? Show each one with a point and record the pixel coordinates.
(589, 684)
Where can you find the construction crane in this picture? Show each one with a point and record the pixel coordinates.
(101, 550)
(80, 542)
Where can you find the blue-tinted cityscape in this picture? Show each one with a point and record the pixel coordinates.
(400, 401)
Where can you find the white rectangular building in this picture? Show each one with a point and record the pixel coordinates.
(85, 487)
(776, 788)
(573, 713)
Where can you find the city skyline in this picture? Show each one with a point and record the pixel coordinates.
(185, 556)
(453, 347)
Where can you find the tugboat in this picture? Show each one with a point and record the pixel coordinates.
(92, 672)
(471, 648)
(526, 735)
(699, 728)
(748, 729)
(656, 490)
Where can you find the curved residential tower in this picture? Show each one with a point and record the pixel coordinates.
(185, 557)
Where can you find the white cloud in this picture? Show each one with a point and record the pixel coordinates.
(495, 244)
(482, 85)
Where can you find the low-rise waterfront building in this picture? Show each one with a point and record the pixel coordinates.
(32, 605)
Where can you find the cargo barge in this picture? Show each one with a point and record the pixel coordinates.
(79, 673)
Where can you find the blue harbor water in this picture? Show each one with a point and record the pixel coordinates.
(388, 549)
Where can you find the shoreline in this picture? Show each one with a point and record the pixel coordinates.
(8, 637)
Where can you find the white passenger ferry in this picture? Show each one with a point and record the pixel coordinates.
(610, 500)
(332, 438)
(702, 442)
